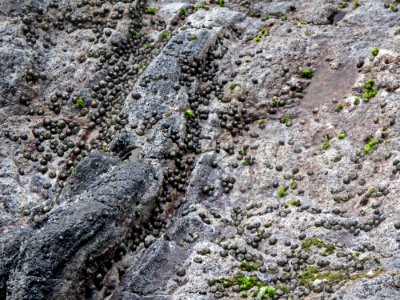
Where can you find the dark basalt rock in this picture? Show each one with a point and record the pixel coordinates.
(103, 199)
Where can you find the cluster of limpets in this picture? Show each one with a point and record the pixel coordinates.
(180, 162)
(306, 265)
(76, 122)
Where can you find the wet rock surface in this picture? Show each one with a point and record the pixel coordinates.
(199, 149)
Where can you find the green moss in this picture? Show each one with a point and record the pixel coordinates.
(225, 282)
(182, 11)
(221, 3)
(193, 37)
(263, 33)
(308, 275)
(339, 107)
(151, 11)
(394, 8)
(80, 102)
(307, 73)
(245, 266)
(325, 143)
(312, 273)
(267, 225)
(341, 136)
(262, 291)
(105, 149)
(369, 85)
(276, 102)
(356, 4)
(246, 283)
(246, 162)
(266, 292)
(370, 146)
(262, 123)
(285, 119)
(283, 288)
(315, 242)
(293, 202)
(293, 184)
(282, 192)
(234, 86)
(142, 66)
(148, 46)
(165, 35)
(135, 33)
(356, 101)
(397, 32)
(372, 191)
(189, 113)
(375, 51)
(202, 5)
(369, 94)
(333, 277)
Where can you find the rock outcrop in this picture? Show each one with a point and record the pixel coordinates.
(199, 149)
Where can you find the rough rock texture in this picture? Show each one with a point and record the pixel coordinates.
(103, 200)
(199, 149)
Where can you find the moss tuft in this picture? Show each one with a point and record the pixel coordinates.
(246, 283)
(245, 266)
(312, 273)
(165, 35)
(80, 102)
(285, 119)
(375, 51)
(341, 136)
(282, 192)
(370, 146)
(325, 143)
(151, 11)
(189, 113)
(234, 86)
(315, 242)
(307, 73)
(182, 11)
(339, 107)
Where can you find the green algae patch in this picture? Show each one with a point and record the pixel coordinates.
(315, 242)
(259, 289)
(248, 266)
(313, 273)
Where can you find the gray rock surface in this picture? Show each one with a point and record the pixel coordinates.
(199, 150)
(105, 198)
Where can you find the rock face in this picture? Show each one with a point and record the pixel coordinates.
(104, 199)
(199, 149)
